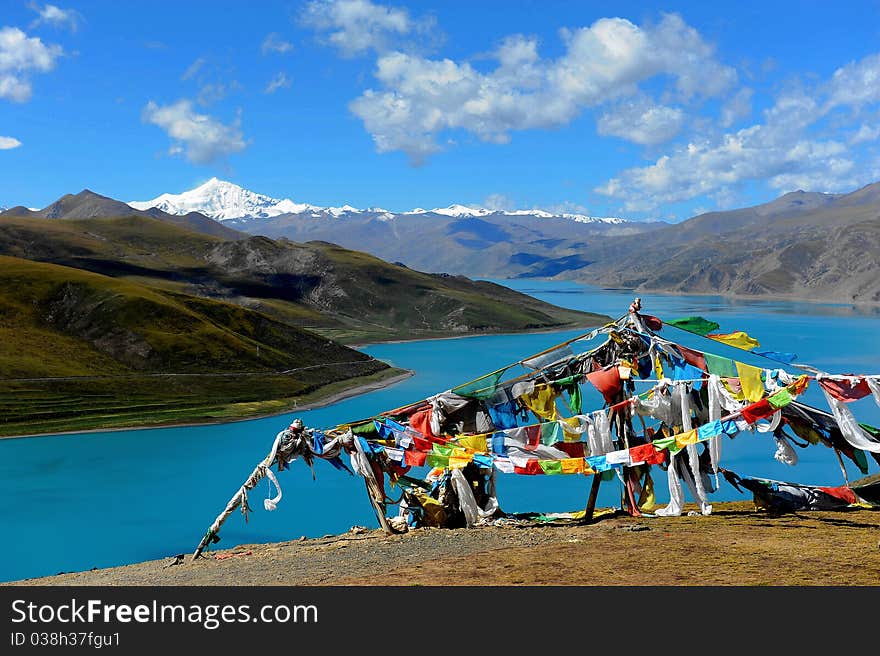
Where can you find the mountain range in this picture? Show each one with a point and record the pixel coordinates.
(224, 201)
(810, 245)
(463, 240)
(804, 245)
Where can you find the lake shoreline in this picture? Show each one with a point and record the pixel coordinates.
(727, 296)
(320, 402)
(540, 331)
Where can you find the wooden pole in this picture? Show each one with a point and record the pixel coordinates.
(378, 504)
(842, 466)
(250, 483)
(594, 493)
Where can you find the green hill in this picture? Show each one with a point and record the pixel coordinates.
(137, 320)
(82, 350)
(346, 294)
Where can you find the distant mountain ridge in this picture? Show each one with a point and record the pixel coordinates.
(224, 201)
(89, 205)
(465, 240)
(805, 245)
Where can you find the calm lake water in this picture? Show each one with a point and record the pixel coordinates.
(74, 502)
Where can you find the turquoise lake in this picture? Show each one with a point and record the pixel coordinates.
(75, 502)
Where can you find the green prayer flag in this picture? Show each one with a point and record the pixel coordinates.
(780, 398)
(861, 460)
(724, 367)
(436, 449)
(437, 461)
(551, 433)
(482, 388)
(367, 429)
(667, 443)
(871, 429)
(551, 466)
(571, 385)
(697, 325)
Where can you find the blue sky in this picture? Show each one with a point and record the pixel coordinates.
(636, 109)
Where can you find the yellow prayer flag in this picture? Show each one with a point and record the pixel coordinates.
(567, 424)
(573, 466)
(458, 463)
(474, 442)
(750, 381)
(688, 437)
(738, 340)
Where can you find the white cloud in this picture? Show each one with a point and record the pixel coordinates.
(280, 81)
(420, 97)
(212, 92)
(52, 15)
(641, 121)
(200, 137)
(498, 202)
(737, 108)
(8, 143)
(356, 26)
(794, 148)
(20, 55)
(865, 133)
(274, 43)
(753, 153)
(855, 84)
(193, 69)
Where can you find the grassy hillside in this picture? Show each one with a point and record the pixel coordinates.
(349, 295)
(82, 350)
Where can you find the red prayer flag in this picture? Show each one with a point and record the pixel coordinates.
(693, 357)
(843, 493)
(421, 421)
(755, 411)
(532, 468)
(422, 445)
(648, 454)
(842, 390)
(414, 458)
(652, 322)
(607, 381)
(573, 449)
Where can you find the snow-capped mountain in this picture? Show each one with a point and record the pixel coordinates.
(222, 200)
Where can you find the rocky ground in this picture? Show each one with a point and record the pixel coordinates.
(734, 546)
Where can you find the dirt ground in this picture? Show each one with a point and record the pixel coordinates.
(734, 546)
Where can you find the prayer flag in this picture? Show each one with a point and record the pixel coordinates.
(737, 339)
(697, 325)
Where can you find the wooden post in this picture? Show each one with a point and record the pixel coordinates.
(842, 466)
(378, 504)
(594, 493)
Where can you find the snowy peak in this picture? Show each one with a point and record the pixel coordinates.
(461, 210)
(223, 200)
